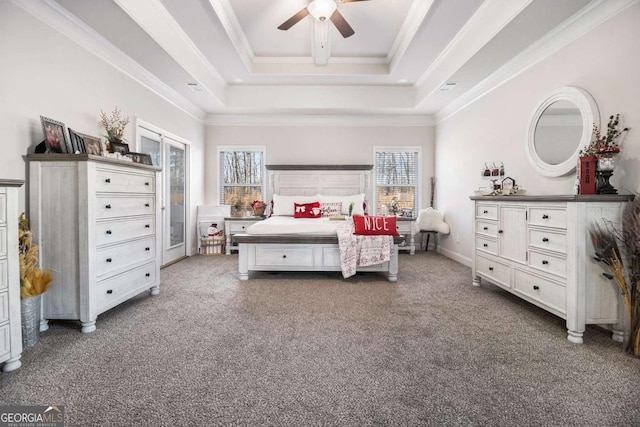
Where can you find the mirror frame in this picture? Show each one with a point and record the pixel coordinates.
(590, 116)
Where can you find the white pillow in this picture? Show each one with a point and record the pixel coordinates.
(357, 199)
(283, 205)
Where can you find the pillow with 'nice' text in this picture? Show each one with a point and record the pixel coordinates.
(375, 225)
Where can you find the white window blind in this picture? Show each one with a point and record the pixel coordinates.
(241, 176)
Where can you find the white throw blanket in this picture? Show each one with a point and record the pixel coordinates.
(361, 251)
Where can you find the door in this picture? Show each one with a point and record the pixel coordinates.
(171, 155)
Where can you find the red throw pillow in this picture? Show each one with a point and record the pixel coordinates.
(375, 225)
(307, 210)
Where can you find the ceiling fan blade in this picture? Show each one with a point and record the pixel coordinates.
(342, 25)
(294, 20)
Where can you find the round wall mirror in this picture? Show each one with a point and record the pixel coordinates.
(560, 126)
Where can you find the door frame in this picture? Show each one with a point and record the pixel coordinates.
(188, 241)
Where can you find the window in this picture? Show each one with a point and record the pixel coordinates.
(241, 176)
(397, 179)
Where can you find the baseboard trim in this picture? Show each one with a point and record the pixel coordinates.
(455, 256)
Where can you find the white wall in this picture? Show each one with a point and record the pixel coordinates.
(45, 73)
(319, 145)
(605, 62)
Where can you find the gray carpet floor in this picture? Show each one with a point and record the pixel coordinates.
(315, 349)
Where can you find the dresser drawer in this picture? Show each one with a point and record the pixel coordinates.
(119, 288)
(542, 290)
(124, 229)
(4, 274)
(330, 257)
(117, 181)
(494, 271)
(5, 340)
(112, 207)
(113, 258)
(548, 263)
(548, 217)
(549, 240)
(487, 245)
(487, 211)
(301, 256)
(403, 227)
(239, 226)
(4, 307)
(487, 228)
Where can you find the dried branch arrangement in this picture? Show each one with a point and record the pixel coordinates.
(33, 280)
(605, 240)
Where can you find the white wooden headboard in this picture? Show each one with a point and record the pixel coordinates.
(309, 180)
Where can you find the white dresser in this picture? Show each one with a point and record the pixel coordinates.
(539, 248)
(10, 327)
(97, 223)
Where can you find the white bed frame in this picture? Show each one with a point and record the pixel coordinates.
(308, 253)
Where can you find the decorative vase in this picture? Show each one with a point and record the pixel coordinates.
(606, 164)
(259, 211)
(30, 311)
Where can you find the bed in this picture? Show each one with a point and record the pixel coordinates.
(299, 248)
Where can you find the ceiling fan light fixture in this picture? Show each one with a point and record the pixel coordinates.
(322, 9)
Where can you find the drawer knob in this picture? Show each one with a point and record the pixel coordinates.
(108, 207)
(108, 180)
(243, 227)
(485, 228)
(485, 212)
(146, 183)
(490, 268)
(110, 291)
(284, 256)
(147, 226)
(545, 216)
(109, 260)
(148, 274)
(485, 245)
(536, 287)
(146, 205)
(147, 249)
(108, 231)
(545, 262)
(544, 239)
(499, 231)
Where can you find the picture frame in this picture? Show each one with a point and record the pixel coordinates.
(55, 136)
(76, 142)
(142, 158)
(91, 144)
(119, 147)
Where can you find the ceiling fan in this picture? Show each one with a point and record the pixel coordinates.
(322, 10)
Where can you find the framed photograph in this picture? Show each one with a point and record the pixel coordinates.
(119, 147)
(55, 137)
(92, 144)
(76, 142)
(142, 158)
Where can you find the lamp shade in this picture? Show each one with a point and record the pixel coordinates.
(322, 9)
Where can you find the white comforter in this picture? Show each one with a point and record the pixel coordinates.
(291, 225)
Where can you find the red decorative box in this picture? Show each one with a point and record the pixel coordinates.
(588, 175)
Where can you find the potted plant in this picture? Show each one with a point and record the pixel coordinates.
(33, 283)
(606, 146)
(114, 125)
(258, 207)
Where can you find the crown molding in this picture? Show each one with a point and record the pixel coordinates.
(569, 31)
(417, 13)
(230, 23)
(61, 20)
(408, 120)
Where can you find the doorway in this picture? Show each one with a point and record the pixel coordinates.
(171, 155)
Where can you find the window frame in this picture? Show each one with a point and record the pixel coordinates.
(227, 148)
(418, 185)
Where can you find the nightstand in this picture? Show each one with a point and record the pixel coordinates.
(407, 226)
(236, 225)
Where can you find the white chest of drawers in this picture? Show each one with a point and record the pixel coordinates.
(10, 327)
(97, 223)
(539, 248)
